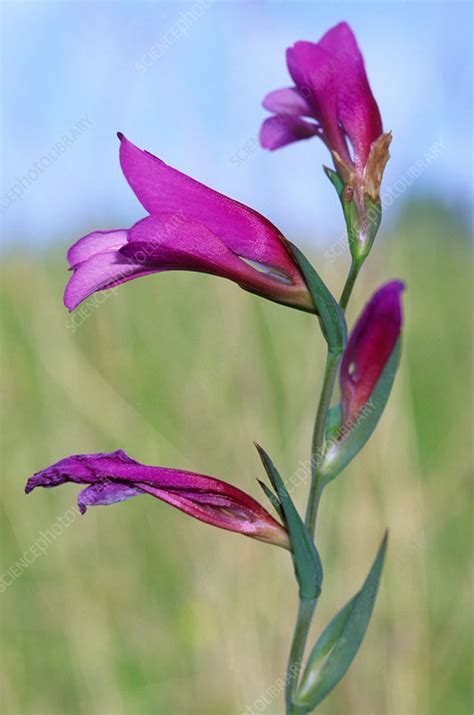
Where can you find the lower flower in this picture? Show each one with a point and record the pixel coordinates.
(114, 477)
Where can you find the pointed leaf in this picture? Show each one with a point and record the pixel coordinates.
(335, 180)
(337, 646)
(353, 436)
(349, 209)
(273, 499)
(331, 317)
(308, 569)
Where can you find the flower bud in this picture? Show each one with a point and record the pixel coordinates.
(369, 347)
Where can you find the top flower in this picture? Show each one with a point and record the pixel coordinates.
(332, 99)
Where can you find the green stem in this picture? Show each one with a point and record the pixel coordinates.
(306, 607)
(330, 374)
(350, 280)
(300, 635)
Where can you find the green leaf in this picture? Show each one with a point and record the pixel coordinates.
(331, 317)
(361, 231)
(349, 209)
(337, 646)
(374, 217)
(339, 452)
(308, 569)
(273, 499)
(335, 180)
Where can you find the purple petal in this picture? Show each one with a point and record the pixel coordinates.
(162, 189)
(191, 246)
(313, 70)
(96, 242)
(356, 107)
(287, 101)
(80, 468)
(105, 493)
(161, 245)
(281, 130)
(100, 271)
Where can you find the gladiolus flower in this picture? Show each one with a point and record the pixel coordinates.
(369, 347)
(190, 227)
(332, 99)
(115, 477)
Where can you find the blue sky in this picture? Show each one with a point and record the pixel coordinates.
(198, 105)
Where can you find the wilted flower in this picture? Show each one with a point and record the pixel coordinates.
(332, 99)
(114, 477)
(191, 228)
(369, 347)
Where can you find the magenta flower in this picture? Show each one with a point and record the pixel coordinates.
(190, 227)
(369, 347)
(331, 99)
(115, 477)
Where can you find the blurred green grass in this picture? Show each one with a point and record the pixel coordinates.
(137, 610)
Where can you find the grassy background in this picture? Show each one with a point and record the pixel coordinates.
(137, 610)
